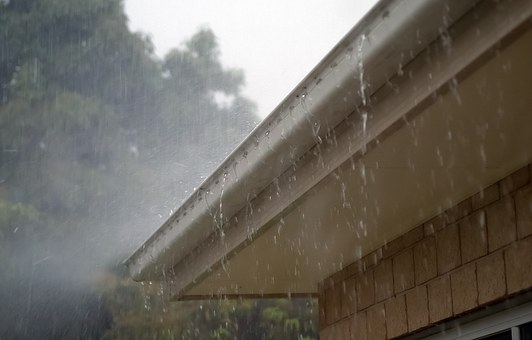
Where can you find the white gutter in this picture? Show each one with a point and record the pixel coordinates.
(389, 36)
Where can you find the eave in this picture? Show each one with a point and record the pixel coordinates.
(319, 127)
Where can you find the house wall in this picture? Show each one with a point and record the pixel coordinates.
(474, 254)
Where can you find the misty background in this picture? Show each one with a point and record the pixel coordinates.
(100, 140)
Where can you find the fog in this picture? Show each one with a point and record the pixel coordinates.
(101, 140)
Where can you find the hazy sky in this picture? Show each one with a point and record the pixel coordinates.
(276, 42)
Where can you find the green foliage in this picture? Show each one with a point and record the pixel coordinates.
(146, 313)
(14, 215)
(273, 314)
(16, 221)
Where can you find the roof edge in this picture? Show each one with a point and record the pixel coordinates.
(391, 34)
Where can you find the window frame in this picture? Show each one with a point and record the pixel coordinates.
(492, 324)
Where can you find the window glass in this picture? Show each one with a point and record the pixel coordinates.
(505, 335)
(526, 331)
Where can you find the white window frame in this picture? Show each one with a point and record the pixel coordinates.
(490, 325)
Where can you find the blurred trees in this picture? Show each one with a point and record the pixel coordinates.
(94, 131)
(147, 314)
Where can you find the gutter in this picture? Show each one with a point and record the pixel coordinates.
(389, 36)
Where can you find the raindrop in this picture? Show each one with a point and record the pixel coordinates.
(483, 154)
(360, 65)
(453, 86)
(400, 71)
(345, 202)
(364, 116)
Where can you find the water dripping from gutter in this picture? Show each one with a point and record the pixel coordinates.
(220, 221)
(316, 126)
(360, 66)
(364, 129)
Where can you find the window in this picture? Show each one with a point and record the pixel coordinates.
(511, 324)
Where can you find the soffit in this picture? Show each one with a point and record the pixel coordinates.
(468, 138)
